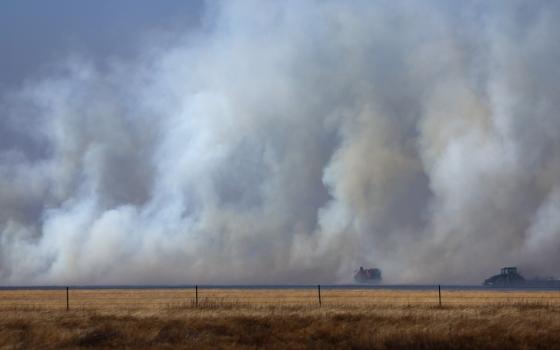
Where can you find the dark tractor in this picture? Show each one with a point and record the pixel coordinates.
(508, 277)
(368, 275)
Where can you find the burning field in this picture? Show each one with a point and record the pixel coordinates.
(290, 318)
(248, 142)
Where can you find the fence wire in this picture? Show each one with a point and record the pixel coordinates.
(132, 299)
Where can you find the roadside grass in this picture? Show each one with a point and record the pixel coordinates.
(279, 319)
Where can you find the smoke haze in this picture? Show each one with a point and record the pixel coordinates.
(292, 142)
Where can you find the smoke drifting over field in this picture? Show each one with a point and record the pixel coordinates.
(293, 142)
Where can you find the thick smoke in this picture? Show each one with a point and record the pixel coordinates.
(290, 142)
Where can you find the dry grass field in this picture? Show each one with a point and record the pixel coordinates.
(279, 319)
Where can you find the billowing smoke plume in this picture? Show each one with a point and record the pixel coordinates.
(293, 141)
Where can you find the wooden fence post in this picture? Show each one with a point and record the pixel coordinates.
(319, 294)
(67, 299)
(196, 296)
(439, 294)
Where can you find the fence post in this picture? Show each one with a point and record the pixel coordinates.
(196, 296)
(67, 299)
(439, 294)
(319, 293)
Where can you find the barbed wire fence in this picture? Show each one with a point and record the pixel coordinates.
(200, 297)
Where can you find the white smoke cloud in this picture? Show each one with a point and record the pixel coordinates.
(293, 142)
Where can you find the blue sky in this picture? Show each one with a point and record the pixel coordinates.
(35, 33)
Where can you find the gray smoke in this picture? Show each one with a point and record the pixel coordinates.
(293, 142)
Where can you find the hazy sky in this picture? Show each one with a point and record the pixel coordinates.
(251, 141)
(34, 33)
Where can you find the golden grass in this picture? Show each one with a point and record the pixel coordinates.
(248, 319)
